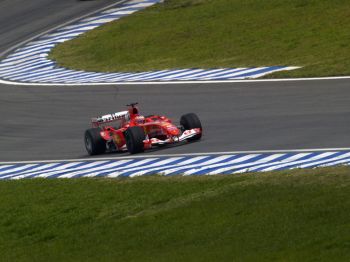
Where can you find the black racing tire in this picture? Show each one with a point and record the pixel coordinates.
(134, 137)
(94, 143)
(190, 121)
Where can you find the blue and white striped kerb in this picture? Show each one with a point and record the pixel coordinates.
(30, 64)
(177, 165)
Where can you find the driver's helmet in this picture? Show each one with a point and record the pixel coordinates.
(139, 119)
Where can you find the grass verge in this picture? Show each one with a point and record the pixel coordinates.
(300, 215)
(220, 33)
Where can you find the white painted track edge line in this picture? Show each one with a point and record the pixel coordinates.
(8, 82)
(178, 155)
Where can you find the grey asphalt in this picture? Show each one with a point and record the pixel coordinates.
(49, 122)
(40, 123)
(23, 19)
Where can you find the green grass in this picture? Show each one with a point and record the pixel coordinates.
(314, 34)
(300, 215)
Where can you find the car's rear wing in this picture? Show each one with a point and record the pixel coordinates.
(118, 116)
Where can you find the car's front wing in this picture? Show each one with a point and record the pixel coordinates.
(174, 139)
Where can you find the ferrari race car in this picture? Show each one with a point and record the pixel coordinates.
(130, 131)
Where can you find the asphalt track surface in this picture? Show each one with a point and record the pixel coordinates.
(39, 123)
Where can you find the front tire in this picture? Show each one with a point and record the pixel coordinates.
(134, 137)
(190, 121)
(94, 143)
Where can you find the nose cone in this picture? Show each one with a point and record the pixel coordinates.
(173, 130)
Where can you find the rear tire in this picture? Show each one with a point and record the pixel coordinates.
(190, 121)
(94, 143)
(134, 137)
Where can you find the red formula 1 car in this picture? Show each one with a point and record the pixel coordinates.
(128, 130)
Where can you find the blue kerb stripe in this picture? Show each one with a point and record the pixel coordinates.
(54, 76)
(14, 67)
(197, 167)
(137, 75)
(145, 168)
(291, 164)
(12, 64)
(250, 74)
(160, 169)
(187, 74)
(27, 55)
(162, 75)
(346, 162)
(271, 68)
(79, 25)
(23, 73)
(8, 168)
(310, 155)
(63, 33)
(231, 71)
(346, 159)
(184, 169)
(31, 46)
(252, 165)
(5, 167)
(55, 72)
(83, 168)
(71, 76)
(112, 170)
(29, 52)
(40, 172)
(18, 171)
(27, 67)
(37, 75)
(205, 73)
(307, 162)
(109, 170)
(142, 2)
(209, 169)
(26, 170)
(90, 76)
(128, 74)
(121, 9)
(110, 16)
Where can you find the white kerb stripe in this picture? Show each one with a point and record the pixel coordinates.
(301, 161)
(159, 163)
(38, 173)
(5, 166)
(333, 163)
(208, 162)
(108, 168)
(79, 168)
(65, 167)
(237, 160)
(287, 160)
(326, 160)
(186, 162)
(99, 168)
(41, 167)
(136, 164)
(263, 160)
(16, 169)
